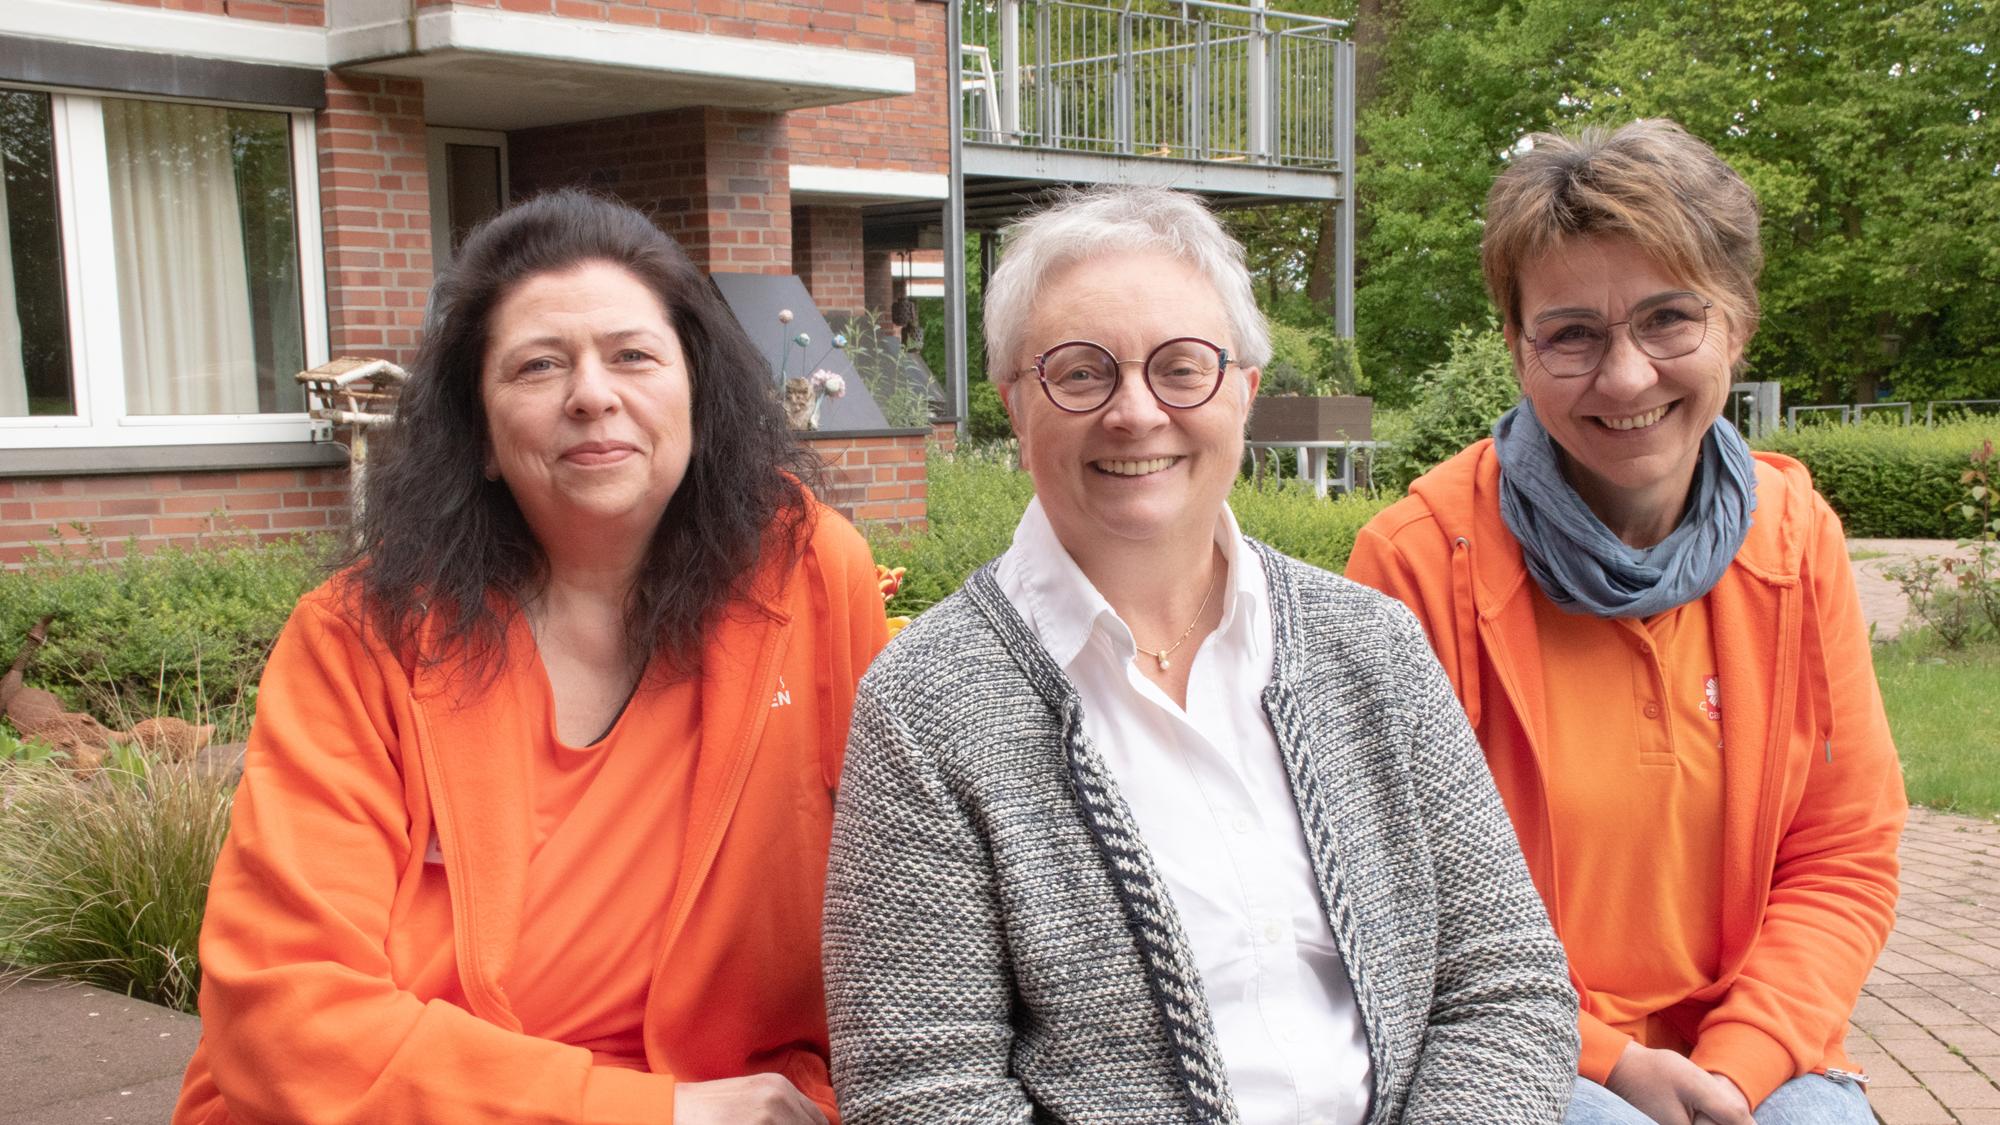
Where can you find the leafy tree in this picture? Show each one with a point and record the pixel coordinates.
(1865, 126)
(1457, 402)
(1460, 83)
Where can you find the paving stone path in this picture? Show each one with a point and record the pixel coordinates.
(1927, 1029)
(82, 1056)
(1882, 601)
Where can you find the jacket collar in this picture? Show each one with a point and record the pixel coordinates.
(1774, 550)
(1065, 610)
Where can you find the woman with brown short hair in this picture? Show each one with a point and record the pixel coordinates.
(1675, 695)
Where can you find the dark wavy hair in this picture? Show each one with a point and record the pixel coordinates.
(435, 537)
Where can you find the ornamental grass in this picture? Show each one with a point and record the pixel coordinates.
(104, 879)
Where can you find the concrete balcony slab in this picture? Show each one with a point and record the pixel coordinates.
(488, 69)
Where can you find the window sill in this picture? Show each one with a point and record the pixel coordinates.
(141, 459)
(841, 435)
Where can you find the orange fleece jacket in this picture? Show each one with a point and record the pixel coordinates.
(358, 761)
(1813, 802)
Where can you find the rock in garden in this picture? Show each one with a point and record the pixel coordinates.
(168, 739)
(39, 716)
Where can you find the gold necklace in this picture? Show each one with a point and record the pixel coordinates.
(1162, 654)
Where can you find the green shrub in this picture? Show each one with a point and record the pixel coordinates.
(105, 881)
(1290, 518)
(988, 421)
(976, 499)
(1890, 481)
(1390, 426)
(1456, 404)
(1310, 359)
(182, 632)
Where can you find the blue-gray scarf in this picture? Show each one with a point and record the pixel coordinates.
(1581, 565)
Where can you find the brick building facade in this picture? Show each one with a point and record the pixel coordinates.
(718, 180)
(374, 214)
(367, 137)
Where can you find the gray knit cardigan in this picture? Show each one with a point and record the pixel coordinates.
(1000, 948)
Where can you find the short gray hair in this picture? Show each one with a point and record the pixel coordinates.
(1115, 219)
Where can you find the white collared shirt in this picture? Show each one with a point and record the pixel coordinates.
(1209, 792)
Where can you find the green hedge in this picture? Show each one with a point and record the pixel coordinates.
(179, 632)
(1890, 481)
(1302, 525)
(976, 498)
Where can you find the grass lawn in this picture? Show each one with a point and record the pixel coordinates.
(1944, 708)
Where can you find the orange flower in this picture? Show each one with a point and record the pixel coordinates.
(889, 581)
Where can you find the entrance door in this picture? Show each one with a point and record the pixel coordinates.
(468, 174)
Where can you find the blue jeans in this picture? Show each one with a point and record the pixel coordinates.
(1807, 1100)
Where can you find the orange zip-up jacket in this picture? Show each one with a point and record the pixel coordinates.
(1813, 803)
(358, 762)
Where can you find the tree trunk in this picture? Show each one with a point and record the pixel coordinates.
(1877, 354)
(1372, 21)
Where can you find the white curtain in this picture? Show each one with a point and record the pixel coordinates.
(13, 372)
(183, 286)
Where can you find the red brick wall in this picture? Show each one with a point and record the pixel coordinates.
(875, 479)
(826, 254)
(375, 208)
(273, 11)
(718, 180)
(908, 133)
(167, 508)
(878, 286)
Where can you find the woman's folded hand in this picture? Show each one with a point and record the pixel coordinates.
(758, 1099)
(1668, 1088)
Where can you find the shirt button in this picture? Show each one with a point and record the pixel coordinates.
(1652, 710)
(1272, 932)
(1241, 824)
(1645, 649)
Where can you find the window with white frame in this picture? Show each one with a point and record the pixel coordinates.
(159, 271)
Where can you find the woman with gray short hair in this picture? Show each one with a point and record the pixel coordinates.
(1149, 823)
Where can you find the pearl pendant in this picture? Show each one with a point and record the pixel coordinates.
(1162, 658)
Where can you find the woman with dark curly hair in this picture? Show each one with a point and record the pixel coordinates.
(534, 818)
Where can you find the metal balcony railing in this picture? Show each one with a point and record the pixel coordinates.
(1194, 79)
